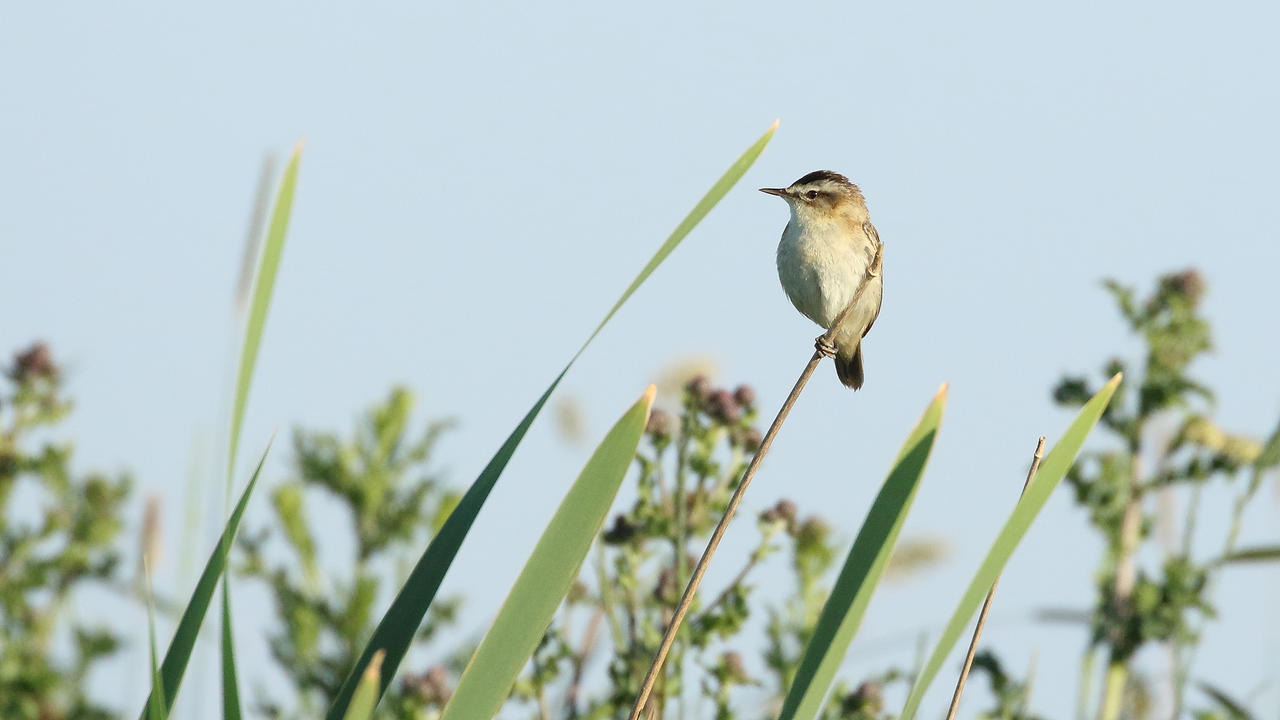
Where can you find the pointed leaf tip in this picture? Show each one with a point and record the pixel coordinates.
(649, 395)
(297, 149)
(942, 390)
(774, 126)
(373, 673)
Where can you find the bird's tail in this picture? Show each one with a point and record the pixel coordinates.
(849, 368)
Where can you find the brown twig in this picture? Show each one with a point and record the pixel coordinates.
(986, 604)
(677, 617)
(580, 661)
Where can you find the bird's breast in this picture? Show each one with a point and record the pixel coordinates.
(820, 266)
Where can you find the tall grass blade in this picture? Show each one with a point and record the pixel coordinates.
(1235, 709)
(230, 685)
(549, 572)
(862, 570)
(1054, 467)
(366, 697)
(263, 283)
(1269, 553)
(184, 638)
(157, 706)
(398, 626)
(1270, 455)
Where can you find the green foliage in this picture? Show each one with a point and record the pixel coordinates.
(1167, 441)
(686, 472)
(1011, 695)
(406, 613)
(1052, 470)
(366, 696)
(863, 568)
(393, 500)
(57, 539)
(549, 573)
(1158, 610)
(263, 282)
(1225, 706)
(184, 636)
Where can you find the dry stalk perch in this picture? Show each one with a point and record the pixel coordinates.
(668, 638)
(986, 604)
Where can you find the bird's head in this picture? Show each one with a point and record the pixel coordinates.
(823, 195)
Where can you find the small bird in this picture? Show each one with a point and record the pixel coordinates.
(827, 248)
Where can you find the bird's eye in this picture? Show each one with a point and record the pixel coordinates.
(812, 194)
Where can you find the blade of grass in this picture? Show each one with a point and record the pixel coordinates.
(157, 707)
(1235, 709)
(986, 609)
(1054, 467)
(549, 572)
(366, 697)
(263, 283)
(1269, 553)
(184, 638)
(230, 685)
(398, 626)
(863, 568)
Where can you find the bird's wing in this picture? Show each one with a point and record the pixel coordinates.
(870, 230)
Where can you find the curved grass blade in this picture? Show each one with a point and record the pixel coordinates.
(230, 685)
(1266, 553)
(863, 568)
(366, 697)
(1054, 467)
(157, 706)
(1234, 708)
(264, 282)
(399, 625)
(184, 638)
(549, 572)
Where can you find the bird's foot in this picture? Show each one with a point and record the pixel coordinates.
(877, 262)
(825, 347)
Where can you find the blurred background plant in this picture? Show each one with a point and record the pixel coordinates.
(1166, 444)
(382, 478)
(692, 459)
(593, 657)
(58, 537)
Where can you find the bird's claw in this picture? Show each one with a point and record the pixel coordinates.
(825, 347)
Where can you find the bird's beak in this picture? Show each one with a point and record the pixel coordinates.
(780, 192)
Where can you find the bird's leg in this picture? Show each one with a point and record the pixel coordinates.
(824, 346)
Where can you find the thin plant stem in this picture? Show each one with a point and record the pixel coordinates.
(741, 577)
(1085, 694)
(682, 608)
(986, 604)
(580, 660)
(1126, 577)
(1186, 657)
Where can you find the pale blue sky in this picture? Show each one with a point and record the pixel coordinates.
(481, 181)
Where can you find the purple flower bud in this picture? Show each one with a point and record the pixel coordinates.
(36, 362)
(699, 387)
(659, 425)
(722, 407)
